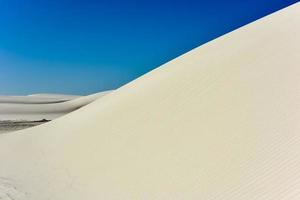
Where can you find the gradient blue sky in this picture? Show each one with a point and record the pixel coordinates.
(85, 46)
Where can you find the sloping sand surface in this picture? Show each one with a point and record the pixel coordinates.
(38, 107)
(220, 122)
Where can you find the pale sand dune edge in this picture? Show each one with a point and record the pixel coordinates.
(36, 108)
(50, 95)
(220, 123)
(37, 98)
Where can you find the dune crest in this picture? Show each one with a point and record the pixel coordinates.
(220, 122)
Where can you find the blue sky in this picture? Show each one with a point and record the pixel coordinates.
(85, 46)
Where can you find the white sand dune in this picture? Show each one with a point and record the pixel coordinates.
(59, 96)
(36, 99)
(38, 107)
(220, 122)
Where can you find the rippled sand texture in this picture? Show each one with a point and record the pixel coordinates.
(220, 123)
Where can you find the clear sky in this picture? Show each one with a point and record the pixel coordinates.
(86, 46)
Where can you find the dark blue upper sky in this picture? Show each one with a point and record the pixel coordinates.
(85, 46)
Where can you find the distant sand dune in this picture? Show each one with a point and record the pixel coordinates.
(49, 95)
(35, 99)
(38, 107)
(218, 123)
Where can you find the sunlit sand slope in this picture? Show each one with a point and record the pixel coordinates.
(221, 122)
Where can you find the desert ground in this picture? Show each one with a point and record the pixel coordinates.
(220, 122)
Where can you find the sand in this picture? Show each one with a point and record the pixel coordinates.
(37, 99)
(20, 112)
(39, 107)
(220, 122)
(9, 126)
